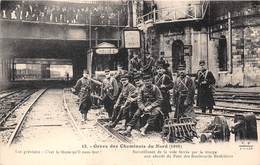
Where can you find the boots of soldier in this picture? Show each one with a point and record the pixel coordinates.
(210, 110)
(123, 125)
(144, 129)
(84, 118)
(112, 124)
(203, 109)
(127, 132)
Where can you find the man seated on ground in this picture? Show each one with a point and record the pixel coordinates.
(149, 100)
(125, 106)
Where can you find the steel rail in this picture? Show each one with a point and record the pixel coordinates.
(16, 107)
(9, 94)
(73, 122)
(216, 114)
(112, 132)
(21, 121)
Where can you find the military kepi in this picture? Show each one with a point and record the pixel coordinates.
(202, 62)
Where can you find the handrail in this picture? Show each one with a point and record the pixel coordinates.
(191, 12)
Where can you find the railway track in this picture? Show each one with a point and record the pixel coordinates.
(7, 93)
(249, 98)
(21, 121)
(103, 124)
(221, 111)
(13, 100)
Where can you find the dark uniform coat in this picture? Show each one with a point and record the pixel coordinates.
(125, 100)
(135, 64)
(109, 91)
(83, 89)
(149, 101)
(165, 84)
(149, 97)
(109, 88)
(149, 66)
(205, 81)
(183, 94)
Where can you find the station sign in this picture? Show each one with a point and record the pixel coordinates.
(131, 38)
(106, 51)
(106, 48)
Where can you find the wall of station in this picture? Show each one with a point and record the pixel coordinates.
(203, 41)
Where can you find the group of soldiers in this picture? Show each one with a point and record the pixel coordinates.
(141, 97)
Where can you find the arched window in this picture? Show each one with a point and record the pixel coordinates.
(178, 61)
(222, 54)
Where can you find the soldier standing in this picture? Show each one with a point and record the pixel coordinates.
(117, 76)
(109, 91)
(125, 105)
(83, 89)
(149, 64)
(164, 82)
(205, 82)
(135, 64)
(183, 94)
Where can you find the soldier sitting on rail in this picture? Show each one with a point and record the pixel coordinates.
(138, 113)
(83, 89)
(149, 100)
(183, 94)
(125, 105)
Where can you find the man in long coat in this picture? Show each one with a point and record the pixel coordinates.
(83, 89)
(183, 94)
(164, 82)
(109, 91)
(205, 83)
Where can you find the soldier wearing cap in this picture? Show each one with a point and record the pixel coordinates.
(117, 76)
(83, 89)
(109, 91)
(149, 101)
(149, 64)
(164, 63)
(164, 82)
(125, 105)
(205, 83)
(135, 64)
(183, 94)
(137, 115)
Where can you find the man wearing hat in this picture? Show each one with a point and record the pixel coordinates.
(205, 82)
(183, 94)
(83, 89)
(149, 64)
(164, 82)
(117, 76)
(109, 91)
(138, 113)
(149, 101)
(135, 64)
(125, 105)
